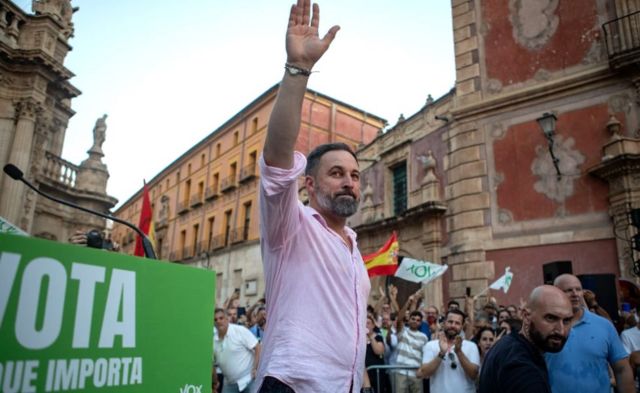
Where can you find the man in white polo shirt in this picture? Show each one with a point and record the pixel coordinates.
(237, 352)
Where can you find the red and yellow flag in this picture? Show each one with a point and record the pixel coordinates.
(383, 262)
(145, 223)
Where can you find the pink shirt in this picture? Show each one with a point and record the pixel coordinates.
(316, 292)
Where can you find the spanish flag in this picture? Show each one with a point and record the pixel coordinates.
(145, 223)
(383, 262)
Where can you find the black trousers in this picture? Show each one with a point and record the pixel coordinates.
(273, 385)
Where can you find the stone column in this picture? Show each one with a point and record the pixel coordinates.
(11, 204)
(621, 169)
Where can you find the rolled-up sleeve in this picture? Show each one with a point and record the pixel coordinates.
(280, 208)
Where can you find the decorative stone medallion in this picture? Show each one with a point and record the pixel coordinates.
(569, 163)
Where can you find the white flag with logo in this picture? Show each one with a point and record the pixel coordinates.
(503, 282)
(419, 271)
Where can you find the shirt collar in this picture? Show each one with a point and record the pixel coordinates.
(311, 212)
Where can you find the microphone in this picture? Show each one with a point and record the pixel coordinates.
(16, 174)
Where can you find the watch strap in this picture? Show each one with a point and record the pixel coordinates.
(295, 70)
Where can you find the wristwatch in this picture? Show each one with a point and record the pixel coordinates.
(295, 70)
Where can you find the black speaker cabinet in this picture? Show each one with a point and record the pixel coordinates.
(604, 286)
(552, 270)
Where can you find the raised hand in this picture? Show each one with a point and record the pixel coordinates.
(304, 46)
(442, 340)
(457, 346)
(393, 291)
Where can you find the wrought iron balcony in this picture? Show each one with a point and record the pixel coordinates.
(196, 200)
(247, 173)
(218, 242)
(183, 207)
(622, 37)
(228, 184)
(211, 193)
(239, 234)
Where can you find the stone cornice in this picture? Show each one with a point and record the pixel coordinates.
(33, 57)
(431, 208)
(525, 96)
(626, 164)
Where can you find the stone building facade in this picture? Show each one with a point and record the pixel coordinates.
(204, 203)
(503, 203)
(35, 108)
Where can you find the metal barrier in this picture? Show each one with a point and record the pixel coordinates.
(390, 369)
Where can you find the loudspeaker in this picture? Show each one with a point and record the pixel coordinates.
(552, 270)
(604, 286)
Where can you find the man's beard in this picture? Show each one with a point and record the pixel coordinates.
(544, 343)
(451, 333)
(344, 204)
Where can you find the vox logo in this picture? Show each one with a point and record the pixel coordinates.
(191, 389)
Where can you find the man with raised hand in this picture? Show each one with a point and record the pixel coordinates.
(593, 346)
(312, 265)
(516, 364)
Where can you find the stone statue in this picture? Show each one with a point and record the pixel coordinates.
(99, 134)
(61, 10)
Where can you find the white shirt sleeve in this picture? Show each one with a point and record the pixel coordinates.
(430, 350)
(470, 350)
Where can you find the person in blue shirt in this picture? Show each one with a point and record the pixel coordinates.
(592, 346)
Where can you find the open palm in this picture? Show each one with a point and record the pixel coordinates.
(304, 46)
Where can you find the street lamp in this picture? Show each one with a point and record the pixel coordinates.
(547, 123)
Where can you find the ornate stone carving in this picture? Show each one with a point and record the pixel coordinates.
(367, 196)
(534, 22)
(6, 80)
(428, 162)
(27, 108)
(60, 10)
(542, 166)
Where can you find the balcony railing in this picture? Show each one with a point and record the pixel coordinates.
(183, 207)
(59, 170)
(196, 200)
(247, 173)
(211, 193)
(228, 183)
(239, 234)
(622, 37)
(218, 242)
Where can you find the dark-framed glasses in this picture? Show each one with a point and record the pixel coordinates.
(452, 359)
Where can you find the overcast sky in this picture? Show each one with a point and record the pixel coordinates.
(169, 73)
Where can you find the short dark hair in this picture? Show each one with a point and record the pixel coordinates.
(515, 324)
(453, 302)
(222, 310)
(313, 159)
(416, 314)
(457, 312)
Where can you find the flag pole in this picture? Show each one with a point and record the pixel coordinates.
(481, 293)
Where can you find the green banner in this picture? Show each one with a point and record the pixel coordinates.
(79, 319)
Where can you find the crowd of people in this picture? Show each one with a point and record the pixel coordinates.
(568, 342)
(316, 333)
